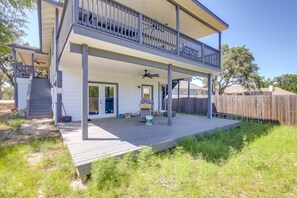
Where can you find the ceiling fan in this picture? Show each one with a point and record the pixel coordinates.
(39, 62)
(149, 75)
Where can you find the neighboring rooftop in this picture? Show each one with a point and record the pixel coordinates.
(240, 90)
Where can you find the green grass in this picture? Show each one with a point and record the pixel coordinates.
(256, 160)
(13, 122)
(48, 175)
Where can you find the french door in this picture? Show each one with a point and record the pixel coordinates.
(102, 100)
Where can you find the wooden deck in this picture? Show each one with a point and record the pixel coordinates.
(115, 137)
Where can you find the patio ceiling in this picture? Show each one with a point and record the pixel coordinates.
(73, 61)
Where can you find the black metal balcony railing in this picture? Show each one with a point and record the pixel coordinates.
(116, 19)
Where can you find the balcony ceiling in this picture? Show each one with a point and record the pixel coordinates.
(24, 55)
(164, 12)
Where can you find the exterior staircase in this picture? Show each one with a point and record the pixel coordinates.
(40, 99)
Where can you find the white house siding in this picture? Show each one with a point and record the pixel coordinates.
(129, 93)
(23, 85)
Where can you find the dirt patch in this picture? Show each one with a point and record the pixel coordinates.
(34, 159)
(31, 130)
(4, 114)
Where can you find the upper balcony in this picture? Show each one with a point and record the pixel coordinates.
(119, 20)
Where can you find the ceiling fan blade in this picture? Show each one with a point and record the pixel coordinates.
(150, 77)
(155, 75)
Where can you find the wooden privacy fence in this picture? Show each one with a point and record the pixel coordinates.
(281, 109)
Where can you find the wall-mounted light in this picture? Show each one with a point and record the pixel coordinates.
(138, 86)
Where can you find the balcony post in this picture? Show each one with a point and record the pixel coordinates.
(75, 11)
(140, 28)
(177, 29)
(202, 52)
(209, 99)
(169, 111)
(220, 46)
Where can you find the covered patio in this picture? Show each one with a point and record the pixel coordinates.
(117, 136)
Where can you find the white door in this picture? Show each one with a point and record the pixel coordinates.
(102, 100)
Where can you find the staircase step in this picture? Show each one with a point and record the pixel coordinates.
(39, 113)
(39, 116)
(44, 109)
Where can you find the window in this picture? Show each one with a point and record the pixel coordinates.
(147, 91)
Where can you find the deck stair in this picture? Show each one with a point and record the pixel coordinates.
(40, 99)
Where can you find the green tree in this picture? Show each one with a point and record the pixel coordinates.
(238, 68)
(287, 82)
(13, 22)
(266, 82)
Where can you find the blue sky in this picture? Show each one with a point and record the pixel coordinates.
(267, 27)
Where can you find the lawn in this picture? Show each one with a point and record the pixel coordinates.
(256, 160)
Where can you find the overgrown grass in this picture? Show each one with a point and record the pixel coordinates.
(256, 160)
(12, 122)
(37, 169)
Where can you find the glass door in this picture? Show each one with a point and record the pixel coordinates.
(93, 99)
(102, 100)
(109, 99)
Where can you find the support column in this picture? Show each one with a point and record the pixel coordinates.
(178, 95)
(84, 92)
(59, 97)
(189, 99)
(209, 100)
(15, 84)
(159, 97)
(169, 111)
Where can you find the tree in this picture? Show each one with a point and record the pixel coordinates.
(287, 82)
(13, 21)
(238, 68)
(266, 82)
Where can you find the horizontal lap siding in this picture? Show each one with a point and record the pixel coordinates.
(129, 93)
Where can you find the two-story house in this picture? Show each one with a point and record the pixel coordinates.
(98, 58)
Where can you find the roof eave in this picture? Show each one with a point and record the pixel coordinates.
(211, 13)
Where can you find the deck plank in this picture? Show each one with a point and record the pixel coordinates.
(115, 137)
